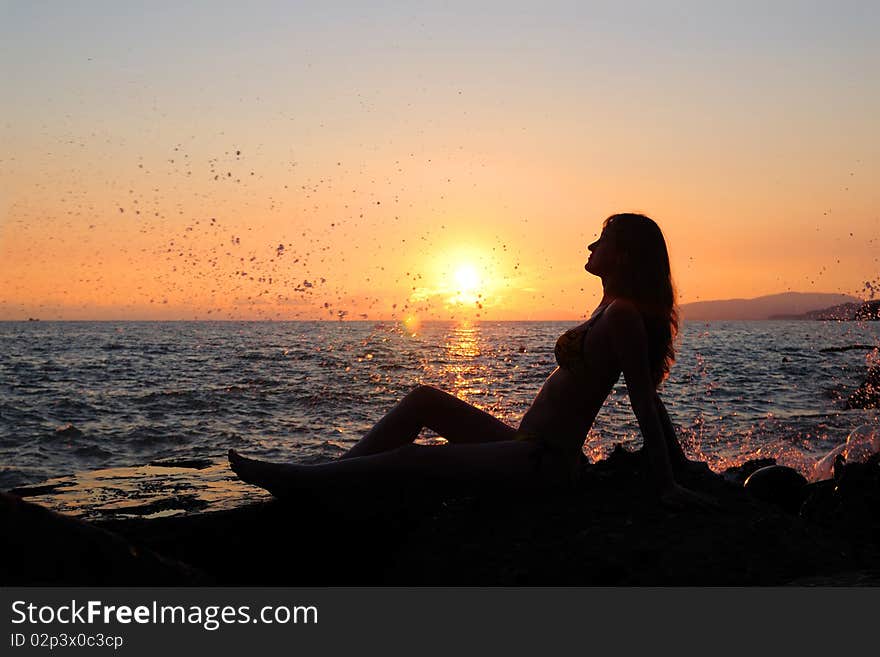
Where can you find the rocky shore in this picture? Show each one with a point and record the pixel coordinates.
(608, 530)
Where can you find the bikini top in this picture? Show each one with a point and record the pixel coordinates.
(569, 350)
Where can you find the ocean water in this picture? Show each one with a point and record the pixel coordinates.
(77, 397)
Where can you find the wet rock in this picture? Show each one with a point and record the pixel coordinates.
(739, 473)
(849, 504)
(174, 505)
(777, 484)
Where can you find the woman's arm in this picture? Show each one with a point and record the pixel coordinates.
(681, 464)
(630, 344)
(676, 453)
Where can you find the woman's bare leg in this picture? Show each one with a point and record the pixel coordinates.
(445, 414)
(494, 463)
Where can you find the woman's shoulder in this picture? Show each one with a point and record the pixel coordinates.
(622, 309)
(623, 313)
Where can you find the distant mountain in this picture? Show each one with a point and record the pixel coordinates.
(771, 306)
(861, 311)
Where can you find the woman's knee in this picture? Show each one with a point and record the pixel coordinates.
(423, 394)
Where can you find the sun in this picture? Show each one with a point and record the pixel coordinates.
(461, 281)
(467, 279)
(467, 285)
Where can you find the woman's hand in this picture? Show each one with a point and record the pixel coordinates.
(676, 496)
(691, 468)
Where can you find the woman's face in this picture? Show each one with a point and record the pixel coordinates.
(603, 257)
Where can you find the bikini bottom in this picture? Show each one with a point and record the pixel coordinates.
(551, 460)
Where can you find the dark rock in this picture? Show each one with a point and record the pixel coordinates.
(41, 547)
(739, 473)
(777, 484)
(609, 528)
(849, 504)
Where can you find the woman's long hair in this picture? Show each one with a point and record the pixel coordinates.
(646, 279)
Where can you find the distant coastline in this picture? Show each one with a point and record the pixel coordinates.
(788, 305)
(846, 312)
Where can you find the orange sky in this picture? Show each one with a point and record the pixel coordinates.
(153, 181)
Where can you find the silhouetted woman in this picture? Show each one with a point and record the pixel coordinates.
(630, 332)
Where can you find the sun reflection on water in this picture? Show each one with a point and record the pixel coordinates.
(463, 371)
(462, 343)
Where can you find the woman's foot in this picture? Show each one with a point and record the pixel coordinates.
(277, 478)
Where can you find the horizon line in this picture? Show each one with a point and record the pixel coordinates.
(352, 321)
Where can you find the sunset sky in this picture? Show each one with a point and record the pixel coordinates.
(287, 160)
